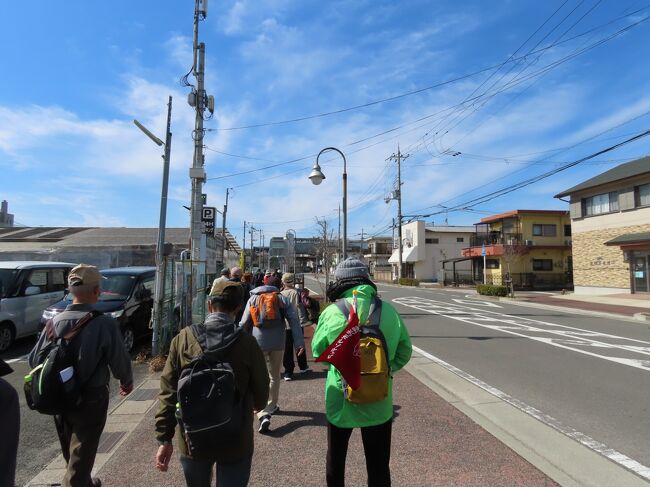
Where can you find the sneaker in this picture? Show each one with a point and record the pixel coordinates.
(304, 371)
(275, 410)
(265, 424)
(287, 376)
(95, 482)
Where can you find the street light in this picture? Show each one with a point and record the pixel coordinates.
(158, 291)
(317, 177)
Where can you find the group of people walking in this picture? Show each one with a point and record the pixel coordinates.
(250, 333)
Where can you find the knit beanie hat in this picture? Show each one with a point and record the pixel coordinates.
(350, 268)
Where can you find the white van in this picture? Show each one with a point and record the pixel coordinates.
(26, 289)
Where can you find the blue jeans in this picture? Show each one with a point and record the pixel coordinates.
(198, 473)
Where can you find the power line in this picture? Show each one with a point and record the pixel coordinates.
(421, 90)
(527, 182)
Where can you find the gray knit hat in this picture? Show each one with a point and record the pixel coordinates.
(351, 267)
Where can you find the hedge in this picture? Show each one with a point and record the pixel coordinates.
(492, 290)
(409, 281)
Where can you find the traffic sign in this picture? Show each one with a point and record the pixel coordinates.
(483, 252)
(207, 217)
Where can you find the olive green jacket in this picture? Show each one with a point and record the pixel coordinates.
(251, 376)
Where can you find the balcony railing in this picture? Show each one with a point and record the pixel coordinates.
(480, 239)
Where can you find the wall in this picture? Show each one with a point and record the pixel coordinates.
(598, 265)
(530, 219)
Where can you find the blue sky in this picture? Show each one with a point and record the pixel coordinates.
(76, 74)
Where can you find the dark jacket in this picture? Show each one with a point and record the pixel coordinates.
(99, 346)
(251, 378)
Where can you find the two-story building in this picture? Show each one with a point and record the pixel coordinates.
(533, 247)
(610, 219)
(376, 255)
(425, 247)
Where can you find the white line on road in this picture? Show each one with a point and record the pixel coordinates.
(19, 359)
(585, 440)
(565, 337)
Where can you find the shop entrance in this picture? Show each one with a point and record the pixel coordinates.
(640, 274)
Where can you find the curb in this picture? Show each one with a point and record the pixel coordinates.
(121, 421)
(552, 451)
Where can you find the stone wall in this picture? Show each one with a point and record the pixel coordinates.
(598, 265)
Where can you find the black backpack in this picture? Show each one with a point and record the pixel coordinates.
(52, 387)
(210, 408)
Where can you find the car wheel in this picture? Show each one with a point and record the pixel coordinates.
(128, 338)
(7, 336)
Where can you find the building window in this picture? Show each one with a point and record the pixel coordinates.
(540, 230)
(567, 230)
(599, 204)
(460, 239)
(542, 264)
(642, 195)
(491, 263)
(432, 240)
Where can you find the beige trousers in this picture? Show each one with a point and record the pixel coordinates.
(273, 365)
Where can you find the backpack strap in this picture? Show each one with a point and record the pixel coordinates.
(374, 313)
(76, 328)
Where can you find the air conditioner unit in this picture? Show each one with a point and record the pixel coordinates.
(529, 243)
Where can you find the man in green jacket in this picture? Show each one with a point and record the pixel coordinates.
(375, 419)
(241, 351)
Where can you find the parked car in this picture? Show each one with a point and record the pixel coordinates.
(126, 295)
(26, 288)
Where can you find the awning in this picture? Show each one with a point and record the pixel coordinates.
(409, 254)
(630, 239)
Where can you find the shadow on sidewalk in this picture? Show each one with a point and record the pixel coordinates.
(312, 418)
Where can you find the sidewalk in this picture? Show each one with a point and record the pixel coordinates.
(628, 305)
(434, 444)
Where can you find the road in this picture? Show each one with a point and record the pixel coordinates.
(585, 375)
(38, 444)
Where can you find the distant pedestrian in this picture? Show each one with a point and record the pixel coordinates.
(235, 274)
(343, 415)
(9, 428)
(258, 278)
(293, 297)
(224, 276)
(101, 352)
(264, 317)
(221, 337)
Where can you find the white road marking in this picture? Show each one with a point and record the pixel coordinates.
(561, 336)
(586, 440)
(19, 359)
(477, 303)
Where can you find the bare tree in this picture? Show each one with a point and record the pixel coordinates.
(324, 249)
(512, 253)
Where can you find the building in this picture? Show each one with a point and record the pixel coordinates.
(6, 218)
(532, 246)
(424, 248)
(610, 220)
(379, 250)
(102, 247)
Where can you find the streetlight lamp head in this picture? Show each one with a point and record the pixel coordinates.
(316, 175)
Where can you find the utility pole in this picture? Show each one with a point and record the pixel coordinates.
(223, 230)
(325, 260)
(260, 257)
(244, 249)
(399, 157)
(338, 249)
(362, 254)
(199, 100)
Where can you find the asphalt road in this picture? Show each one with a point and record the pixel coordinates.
(38, 444)
(589, 374)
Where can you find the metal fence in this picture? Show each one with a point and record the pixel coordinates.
(522, 281)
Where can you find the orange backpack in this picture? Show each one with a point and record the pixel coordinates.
(266, 309)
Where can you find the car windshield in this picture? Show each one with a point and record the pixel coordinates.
(7, 277)
(115, 287)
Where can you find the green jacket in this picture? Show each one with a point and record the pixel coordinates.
(251, 376)
(340, 412)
